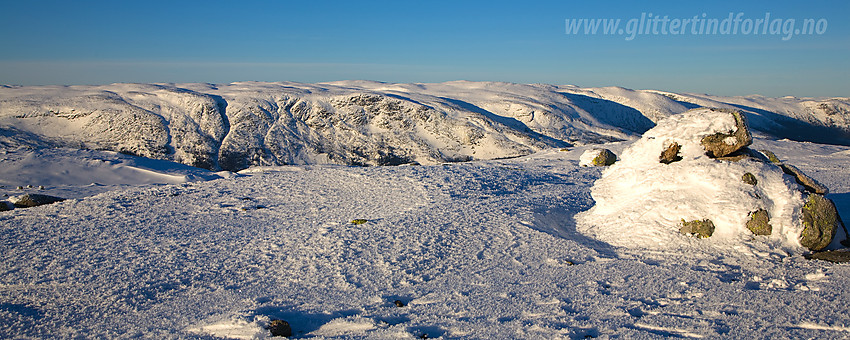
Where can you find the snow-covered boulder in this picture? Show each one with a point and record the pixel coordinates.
(672, 184)
(724, 143)
(597, 157)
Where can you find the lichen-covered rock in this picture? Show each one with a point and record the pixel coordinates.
(723, 144)
(671, 154)
(597, 157)
(279, 328)
(820, 222)
(770, 156)
(807, 182)
(34, 200)
(700, 228)
(750, 179)
(759, 223)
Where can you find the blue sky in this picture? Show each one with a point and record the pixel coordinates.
(96, 42)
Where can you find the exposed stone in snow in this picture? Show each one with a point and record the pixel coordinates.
(597, 157)
(671, 154)
(820, 222)
(699, 228)
(759, 223)
(279, 328)
(749, 179)
(34, 200)
(807, 182)
(837, 256)
(723, 143)
(771, 156)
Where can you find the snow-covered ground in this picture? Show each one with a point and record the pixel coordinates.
(494, 248)
(482, 249)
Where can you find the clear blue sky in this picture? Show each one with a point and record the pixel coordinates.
(95, 42)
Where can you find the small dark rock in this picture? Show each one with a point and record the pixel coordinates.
(820, 222)
(279, 328)
(750, 179)
(34, 200)
(836, 256)
(398, 303)
(702, 229)
(671, 154)
(759, 223)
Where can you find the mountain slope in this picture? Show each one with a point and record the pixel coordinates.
(238, 125)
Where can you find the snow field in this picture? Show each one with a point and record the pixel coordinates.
(476, 250)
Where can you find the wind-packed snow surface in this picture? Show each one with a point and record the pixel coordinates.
(483, 250)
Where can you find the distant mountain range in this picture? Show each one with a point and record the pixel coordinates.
(238, 125)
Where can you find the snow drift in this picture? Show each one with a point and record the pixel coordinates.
(672, 176)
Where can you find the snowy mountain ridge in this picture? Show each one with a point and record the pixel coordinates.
(238, 125)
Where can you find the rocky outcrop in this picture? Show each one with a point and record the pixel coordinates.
(820, 222)
(725, 143)
(807, 182)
